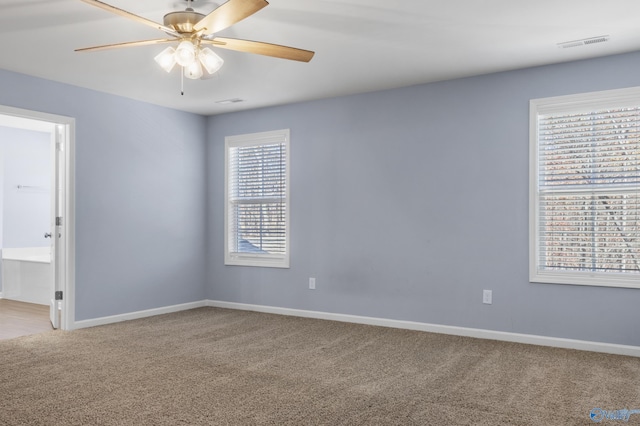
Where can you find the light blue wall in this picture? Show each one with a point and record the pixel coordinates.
(140, 196)
(407, 203)
(26, 211)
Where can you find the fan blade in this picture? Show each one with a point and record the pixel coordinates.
(228, 14)
(127, 44)
(260, 48)
(130, 15)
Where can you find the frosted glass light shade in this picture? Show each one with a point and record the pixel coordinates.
(185, 53)
(210, 61)
(193, 71)
(166, 59)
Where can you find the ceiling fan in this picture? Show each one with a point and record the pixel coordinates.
(193, 31)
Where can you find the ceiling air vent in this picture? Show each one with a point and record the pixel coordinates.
(230, 101)
(584, 42)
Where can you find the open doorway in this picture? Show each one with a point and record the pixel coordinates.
(36, 205)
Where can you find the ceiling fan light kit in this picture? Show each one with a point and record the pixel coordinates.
(185, 53)
(193, 71)
(192, 59)
(210, 61)
(166, 59)
(191, 29)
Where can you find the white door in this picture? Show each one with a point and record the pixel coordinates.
(57, 253)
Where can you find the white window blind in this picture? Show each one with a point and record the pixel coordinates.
(257, 216)
(587, 191)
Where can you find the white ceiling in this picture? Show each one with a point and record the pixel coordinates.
(360, 45)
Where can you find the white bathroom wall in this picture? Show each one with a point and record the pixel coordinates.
(25, 161)
(26, 181)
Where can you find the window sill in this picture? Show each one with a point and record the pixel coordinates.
(232, 259)
(588, 279)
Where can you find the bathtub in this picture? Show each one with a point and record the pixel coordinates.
(27, 274)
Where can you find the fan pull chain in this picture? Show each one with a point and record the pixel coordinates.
(182, 82)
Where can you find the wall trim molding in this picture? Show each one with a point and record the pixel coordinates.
(1, 294)
(531, 339)
(137, 315)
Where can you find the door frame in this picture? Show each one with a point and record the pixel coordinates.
(17, 116)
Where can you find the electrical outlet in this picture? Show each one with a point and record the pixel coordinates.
(487, 297)
(312, 283)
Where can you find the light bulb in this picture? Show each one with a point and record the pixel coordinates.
(185, 53)
(210, 61)
(166, 59)
(193, 71)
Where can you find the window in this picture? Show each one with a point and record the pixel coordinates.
(585, 189)
(257, 199)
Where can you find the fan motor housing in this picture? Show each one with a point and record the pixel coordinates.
(183, 21)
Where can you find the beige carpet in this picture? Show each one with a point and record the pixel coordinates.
(214, 366)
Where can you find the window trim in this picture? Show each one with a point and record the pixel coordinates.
(573, 103)
(257, 259)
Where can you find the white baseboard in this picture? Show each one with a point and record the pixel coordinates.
(531, 339)
(137, 315)
(1, 295)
